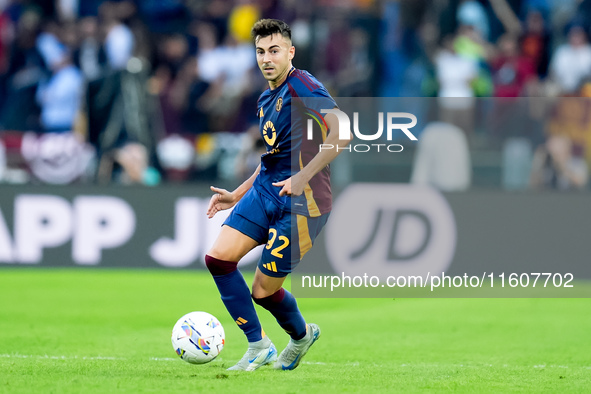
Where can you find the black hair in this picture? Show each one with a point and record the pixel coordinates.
(268, 27)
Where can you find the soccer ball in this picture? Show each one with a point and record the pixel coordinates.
(198, 337)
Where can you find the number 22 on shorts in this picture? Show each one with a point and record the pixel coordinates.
(282, 238)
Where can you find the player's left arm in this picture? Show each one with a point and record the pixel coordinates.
(296, 184)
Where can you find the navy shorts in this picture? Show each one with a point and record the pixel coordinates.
(288, 236)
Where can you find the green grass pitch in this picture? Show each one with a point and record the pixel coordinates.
(88, 330)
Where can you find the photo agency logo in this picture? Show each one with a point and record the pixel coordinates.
(372, 142)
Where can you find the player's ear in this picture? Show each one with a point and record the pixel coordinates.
(291, 52)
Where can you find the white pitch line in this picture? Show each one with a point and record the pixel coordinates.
(47, 357)
(350, 364)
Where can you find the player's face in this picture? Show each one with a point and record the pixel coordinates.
(274, 54)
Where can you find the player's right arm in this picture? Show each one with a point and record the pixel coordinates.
(223, 199)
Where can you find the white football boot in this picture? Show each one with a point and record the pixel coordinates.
(293, 353)
(259, 353)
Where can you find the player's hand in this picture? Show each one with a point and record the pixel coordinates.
(293, 186)
(222, 199)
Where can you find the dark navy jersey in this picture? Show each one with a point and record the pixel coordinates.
(282, 122)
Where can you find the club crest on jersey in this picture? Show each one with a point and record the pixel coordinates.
(279, 104)
(269, 133)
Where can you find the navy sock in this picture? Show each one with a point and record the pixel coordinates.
(235, 296)
(284, 307)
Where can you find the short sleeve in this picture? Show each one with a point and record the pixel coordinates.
(309, 92)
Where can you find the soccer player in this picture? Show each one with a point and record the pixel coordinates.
(284, 204)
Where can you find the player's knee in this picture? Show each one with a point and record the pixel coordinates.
(259, 298)
(265, 299)
(259, 293)
(219, 267)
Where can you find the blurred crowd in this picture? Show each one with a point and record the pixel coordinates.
(151, 91)
(531, 58)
